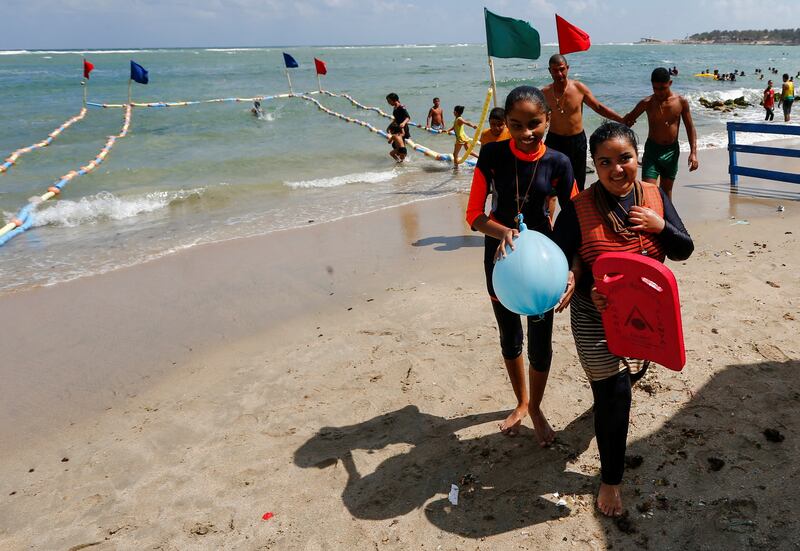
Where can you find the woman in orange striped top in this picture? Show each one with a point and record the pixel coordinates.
(616, 214)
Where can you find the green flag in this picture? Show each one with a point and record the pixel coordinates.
(508, 37)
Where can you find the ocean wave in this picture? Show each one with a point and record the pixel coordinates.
(14, 52)
(234, 49)
(752, 95)
(107, 206)
(336, 181)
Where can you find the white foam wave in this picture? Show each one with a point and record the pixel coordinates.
(363, 177)
(106, 206)
(73, 52)
(232, 49)
(752, 95)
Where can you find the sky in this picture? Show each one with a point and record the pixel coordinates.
(98, 24)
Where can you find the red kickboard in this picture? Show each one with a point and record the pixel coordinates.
(643, 317)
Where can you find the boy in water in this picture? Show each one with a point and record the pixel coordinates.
(401, 116)
(665, 111)
(497, 131)
(399, 150)
(435, 116)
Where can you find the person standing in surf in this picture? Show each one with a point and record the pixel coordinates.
(665, 111)
(566, 98)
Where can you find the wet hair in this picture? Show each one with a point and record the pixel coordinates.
(526, 93)
(436, 99)
(557, 59)
(660, 75)
(392, 97)
(785, 76)
(497, 114)
(458, 110)
(610, 130)
(394, 128)
(257, 103)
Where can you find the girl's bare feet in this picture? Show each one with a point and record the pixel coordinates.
(609, 499)
(544, 432)
(510, 427)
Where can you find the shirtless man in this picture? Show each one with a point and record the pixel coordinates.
(566, 98)
(665, 111)
(435, 116)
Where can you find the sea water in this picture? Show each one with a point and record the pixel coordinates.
(213, 172)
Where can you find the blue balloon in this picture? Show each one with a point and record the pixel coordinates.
(531, 279)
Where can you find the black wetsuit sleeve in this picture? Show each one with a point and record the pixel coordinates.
(676, 240)
(567, 231)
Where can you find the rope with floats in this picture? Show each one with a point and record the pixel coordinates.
(24, 219)
(187, 103)
(12, 159)
(484, 112)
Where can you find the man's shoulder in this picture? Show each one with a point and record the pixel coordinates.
(583, 88)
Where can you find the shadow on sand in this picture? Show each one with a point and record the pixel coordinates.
(450, 243)
(716, 475)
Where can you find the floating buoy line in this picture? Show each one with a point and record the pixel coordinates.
(23, 220)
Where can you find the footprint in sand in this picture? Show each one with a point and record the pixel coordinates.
(770, 352)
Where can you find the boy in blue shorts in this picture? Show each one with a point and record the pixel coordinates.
(665, 111)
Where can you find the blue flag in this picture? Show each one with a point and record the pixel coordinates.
(291, 62)
(138, 73)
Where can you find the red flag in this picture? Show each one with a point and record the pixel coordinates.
(570, 38)
(320, 65)
(87, 68)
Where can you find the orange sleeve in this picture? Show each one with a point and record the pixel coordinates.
(477, 197)
(575, 191)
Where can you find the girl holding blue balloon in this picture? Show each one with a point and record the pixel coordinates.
(618, 213)
(521, 175)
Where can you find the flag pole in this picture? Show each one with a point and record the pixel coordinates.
(319, 82)
(290, 81)
(494, 84)
(130, 83)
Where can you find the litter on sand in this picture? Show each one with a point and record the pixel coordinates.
(453, 495)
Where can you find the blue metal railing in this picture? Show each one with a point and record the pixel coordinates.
(733, 148)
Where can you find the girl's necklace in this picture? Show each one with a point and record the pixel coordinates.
(521, 204)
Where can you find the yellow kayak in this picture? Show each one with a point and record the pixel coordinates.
(705, 75)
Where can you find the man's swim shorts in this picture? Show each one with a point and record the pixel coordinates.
(660, 160)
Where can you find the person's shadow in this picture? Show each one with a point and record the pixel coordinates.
(724, 466)
(450, 243)
(501, 480)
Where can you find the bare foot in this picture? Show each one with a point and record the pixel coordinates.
(609, 499)
(510, 427)
(544, 432)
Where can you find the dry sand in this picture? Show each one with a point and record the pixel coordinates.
(343, 376)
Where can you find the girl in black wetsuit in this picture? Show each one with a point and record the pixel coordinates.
(618, 213)
(521, 174)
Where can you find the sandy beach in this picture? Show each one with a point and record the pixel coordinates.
(342, 376)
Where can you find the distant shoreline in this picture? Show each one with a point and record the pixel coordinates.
(656, 42)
